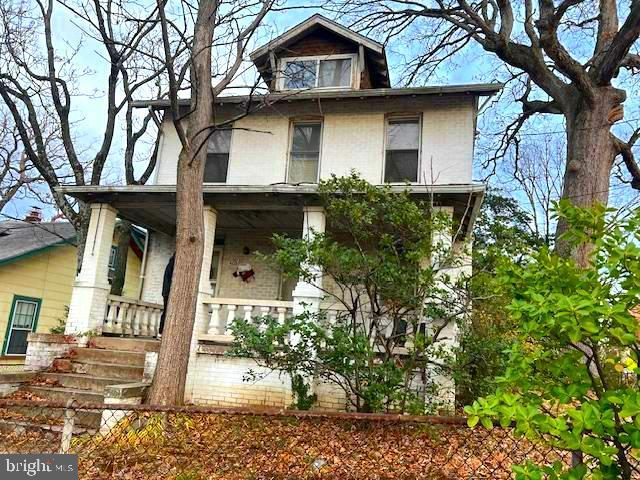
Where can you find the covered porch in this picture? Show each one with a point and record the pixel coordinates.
(234, 283)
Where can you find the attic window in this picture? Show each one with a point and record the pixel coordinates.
(335, 71)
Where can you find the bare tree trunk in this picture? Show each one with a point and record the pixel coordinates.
(171, 371)
(122, 238)
(590, 154)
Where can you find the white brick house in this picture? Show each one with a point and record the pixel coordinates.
(330, 110)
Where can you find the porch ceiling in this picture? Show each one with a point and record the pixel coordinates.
(276, 207)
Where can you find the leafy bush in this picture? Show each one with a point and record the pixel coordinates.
(572, 372)
(386, 265)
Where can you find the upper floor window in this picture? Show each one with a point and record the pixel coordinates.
(304, 156)
(334, 71)
(402, 150)
(215, 169)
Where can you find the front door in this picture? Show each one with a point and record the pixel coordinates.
(22, 320)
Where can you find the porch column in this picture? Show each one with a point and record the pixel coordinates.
(91, 288)
(204, 291)
(307, 295)
(449, 263)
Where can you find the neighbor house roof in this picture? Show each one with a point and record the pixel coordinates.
(19, 239)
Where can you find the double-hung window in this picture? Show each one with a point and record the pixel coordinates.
(218, 147)
(322, 72)
(23, 319)
(304, 155)
(402, 150)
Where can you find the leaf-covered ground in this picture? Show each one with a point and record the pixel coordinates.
(207, 446)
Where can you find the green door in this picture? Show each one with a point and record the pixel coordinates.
(22, 320)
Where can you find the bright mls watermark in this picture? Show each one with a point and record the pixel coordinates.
(38, 466)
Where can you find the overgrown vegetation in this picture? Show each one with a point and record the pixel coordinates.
(384, 331)
(572, 371)
(503, 230)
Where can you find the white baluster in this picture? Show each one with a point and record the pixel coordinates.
(135, 320)
(231, 316)
(264, 312)
(282, 315)
(111, 317)
(214, 320)
(144, 321)
(128, 323)
(154, 320)
(121, 319)
(248, 309)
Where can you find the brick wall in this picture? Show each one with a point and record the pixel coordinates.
(161, 247)
(353, 138)
(43, 348)
(266, 282)
(219, 381)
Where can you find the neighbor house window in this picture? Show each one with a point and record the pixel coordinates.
(215, 170)
(23, 319)
(317, 72)
(305, 152)
(402, 150)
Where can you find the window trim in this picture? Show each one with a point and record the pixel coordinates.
(16, 299)
(304, 121)
(282, 64)
(396, 117)
(228, 160)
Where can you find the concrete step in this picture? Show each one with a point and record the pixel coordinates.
(124, 373)
(113, 357)
(81, 381)
(39, 416)
(59, 394)
(125, 344)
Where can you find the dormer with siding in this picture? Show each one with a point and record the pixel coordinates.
(322, 54)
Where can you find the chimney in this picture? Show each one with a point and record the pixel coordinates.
(34, 215)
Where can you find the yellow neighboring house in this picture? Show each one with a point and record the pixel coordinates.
(37, 271)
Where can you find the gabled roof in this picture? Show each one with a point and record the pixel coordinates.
(317, 20)
(20, 239)
(374, 51)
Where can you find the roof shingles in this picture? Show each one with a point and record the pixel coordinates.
(18, 238)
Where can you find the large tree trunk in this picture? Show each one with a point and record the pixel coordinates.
(173, 360)
(590, 155)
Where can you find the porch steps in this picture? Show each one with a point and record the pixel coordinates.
(125, 344)
(113, 357)
(85, 371)
(123, 373)
(60, 394)
(78, 381)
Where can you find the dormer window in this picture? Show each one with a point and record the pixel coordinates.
(327, 71)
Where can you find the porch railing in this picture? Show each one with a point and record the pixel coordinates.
(225, 310)
(129, 317)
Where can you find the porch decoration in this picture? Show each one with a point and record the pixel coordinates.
(245, 272)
